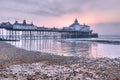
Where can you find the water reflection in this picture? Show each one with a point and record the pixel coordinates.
(58, 47)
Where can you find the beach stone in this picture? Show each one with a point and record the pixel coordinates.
(86, 74)
(45, 76)
(68, 78)
(57, 79)
(3, 76)
(30, 78)
(74, 73)
(37, 73)
(90, 75)
(80, 72)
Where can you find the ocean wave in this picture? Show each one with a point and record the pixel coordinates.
(104, 41)
(97, 40)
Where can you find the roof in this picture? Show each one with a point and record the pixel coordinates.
(23, 24)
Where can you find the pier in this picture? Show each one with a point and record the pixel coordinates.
(18, 31)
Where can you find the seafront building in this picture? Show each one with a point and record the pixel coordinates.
(78, 27)
(79, 31)
(30, 31)
(24, 26)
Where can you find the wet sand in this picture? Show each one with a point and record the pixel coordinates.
(11, 55)
(19, 64)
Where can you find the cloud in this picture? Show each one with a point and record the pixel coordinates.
(100, 10)
(59, 7)
(45, 7)
(115, 24)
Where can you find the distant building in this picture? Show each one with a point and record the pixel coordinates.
(78, 27)
(24, 25)
(78, 31)
(6, 25)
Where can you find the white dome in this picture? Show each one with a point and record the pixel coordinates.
(78, 27)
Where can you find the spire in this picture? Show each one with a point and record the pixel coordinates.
(16, 22)
(76, 21)
(31, 24)
(24, 22)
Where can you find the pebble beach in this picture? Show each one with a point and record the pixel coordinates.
(20, 64)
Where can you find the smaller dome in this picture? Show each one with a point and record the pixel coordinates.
(75, 23)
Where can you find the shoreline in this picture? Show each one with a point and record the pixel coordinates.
(15, 55)
(18, 63)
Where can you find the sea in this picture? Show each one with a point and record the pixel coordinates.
(103, 46)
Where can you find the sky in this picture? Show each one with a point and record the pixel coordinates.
(102, 15)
